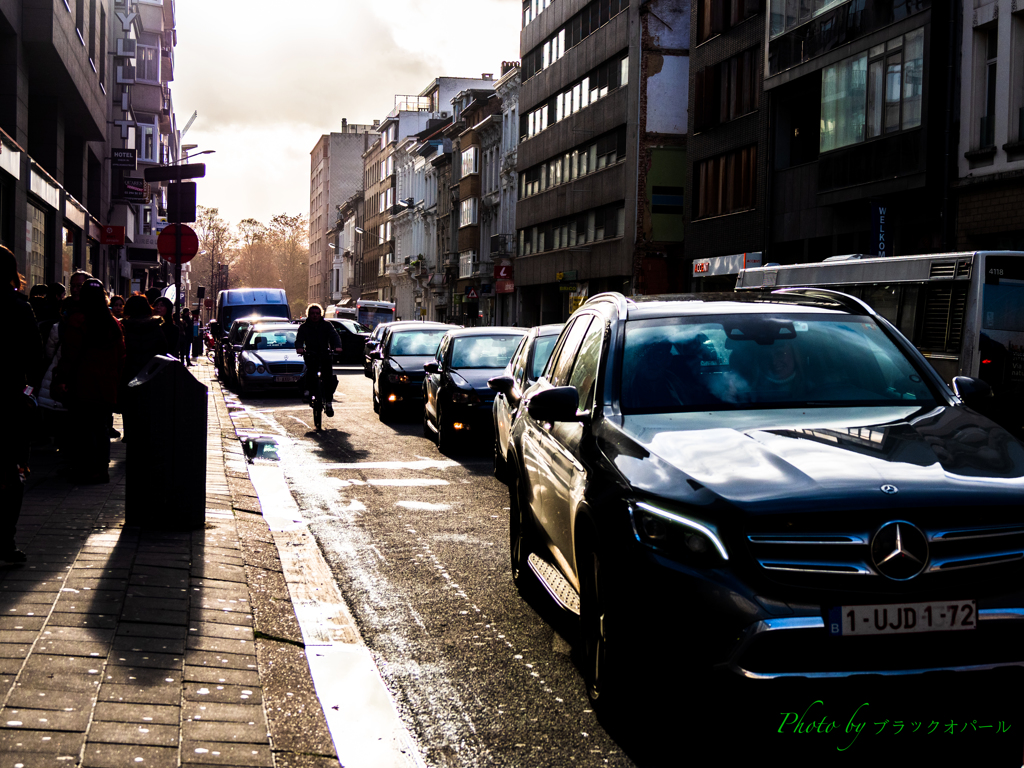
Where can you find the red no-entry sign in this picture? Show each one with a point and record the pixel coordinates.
(167, 244)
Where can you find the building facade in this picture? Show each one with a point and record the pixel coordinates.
(989, 193)
(54, 87)
(603, 91)
(335, 174)
(860, 97)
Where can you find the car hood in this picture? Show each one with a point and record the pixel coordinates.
(767, 461)
(409, 363)
(476, 378)
(274, 355)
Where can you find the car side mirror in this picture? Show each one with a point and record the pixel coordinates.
(431, 367)
(374, 354)
(558, 404)
(502, 384)
(974, 392)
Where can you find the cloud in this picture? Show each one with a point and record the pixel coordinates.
(269, 78)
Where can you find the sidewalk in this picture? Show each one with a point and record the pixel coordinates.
(122, 647)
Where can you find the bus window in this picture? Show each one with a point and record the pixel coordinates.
(884, 299)
(908, 311)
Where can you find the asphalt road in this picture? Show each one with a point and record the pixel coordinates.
(418, 543)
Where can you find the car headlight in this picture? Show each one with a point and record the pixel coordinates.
(249, 367)
(674, 533)
(466, 397)
(260, 369)
(398, 378)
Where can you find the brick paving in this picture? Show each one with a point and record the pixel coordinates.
(121, 646)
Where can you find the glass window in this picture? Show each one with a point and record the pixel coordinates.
(541, 354)
(484, 351)
(745, 361)
(843, 103)
(584, 372)
(913, 78)
(416, 343)
(562, 364)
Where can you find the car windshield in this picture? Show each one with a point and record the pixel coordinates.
(757, 361)
(541, 353)
(354, 327)
(422, 343)
(280, 339)
(484, 351)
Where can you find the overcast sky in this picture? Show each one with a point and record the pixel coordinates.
(268, 78)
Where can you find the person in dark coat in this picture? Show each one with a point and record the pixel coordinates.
(185, 350)
(86, 381)
(162, 307)
(17, 372)
(143, 339)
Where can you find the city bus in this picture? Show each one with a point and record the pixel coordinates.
(373, 313)
(963, 311)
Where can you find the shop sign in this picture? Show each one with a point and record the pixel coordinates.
(112, 236)
(123, 158)
(502, 271)
(136, 191)
(505, 286)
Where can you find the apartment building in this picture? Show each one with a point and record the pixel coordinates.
(862, 142)
(989, 192)
(603, 96)
(143, 134)
(728, 144)
(54, 90)
(335, 174)
(503, 243)
(412, 114)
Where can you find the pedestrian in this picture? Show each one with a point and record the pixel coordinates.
(18, 371)
(163, 308)
(143, 340)
(186, 336)
(117, 306)
(86, 380)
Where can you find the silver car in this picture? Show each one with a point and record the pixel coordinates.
(525, 367)
(268, 359)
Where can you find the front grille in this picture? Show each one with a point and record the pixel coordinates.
(282, 368)
(838, 556)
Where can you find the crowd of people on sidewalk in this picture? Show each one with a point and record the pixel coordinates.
(76, 351)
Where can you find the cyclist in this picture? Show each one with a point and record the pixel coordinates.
(315, 340)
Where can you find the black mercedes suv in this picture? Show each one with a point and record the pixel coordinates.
(774, 484)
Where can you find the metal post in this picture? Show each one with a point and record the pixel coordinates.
(177, 247)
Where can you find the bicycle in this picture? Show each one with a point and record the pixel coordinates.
(314, 382)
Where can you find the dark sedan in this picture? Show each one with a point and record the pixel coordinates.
(457, 402)
(370, 346)
(398, 364)
(776, 485)
(353, 337)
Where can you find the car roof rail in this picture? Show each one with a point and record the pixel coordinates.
(620, 302)
(844, 300)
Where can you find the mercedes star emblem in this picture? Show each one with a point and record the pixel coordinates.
(890, 489)
(899, 550)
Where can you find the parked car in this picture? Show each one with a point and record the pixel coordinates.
(231, 345)
(525, 367)
(236, 303)
(370, 345)
(268, 359)
(775, 484)
(353, 340)
(398, 364)
(457, 402)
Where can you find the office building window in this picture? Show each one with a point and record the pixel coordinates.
(716, 16)
(726, 184)
(598, 83)
(988, 117)
(575, 30)
(874, 93)
(574, 231)
(606, 150)
(727, 90)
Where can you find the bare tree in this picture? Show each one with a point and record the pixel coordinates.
(216, 239)
(252, 266)
(288, 240)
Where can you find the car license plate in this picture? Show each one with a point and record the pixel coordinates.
(285, 379)
(902, 618)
